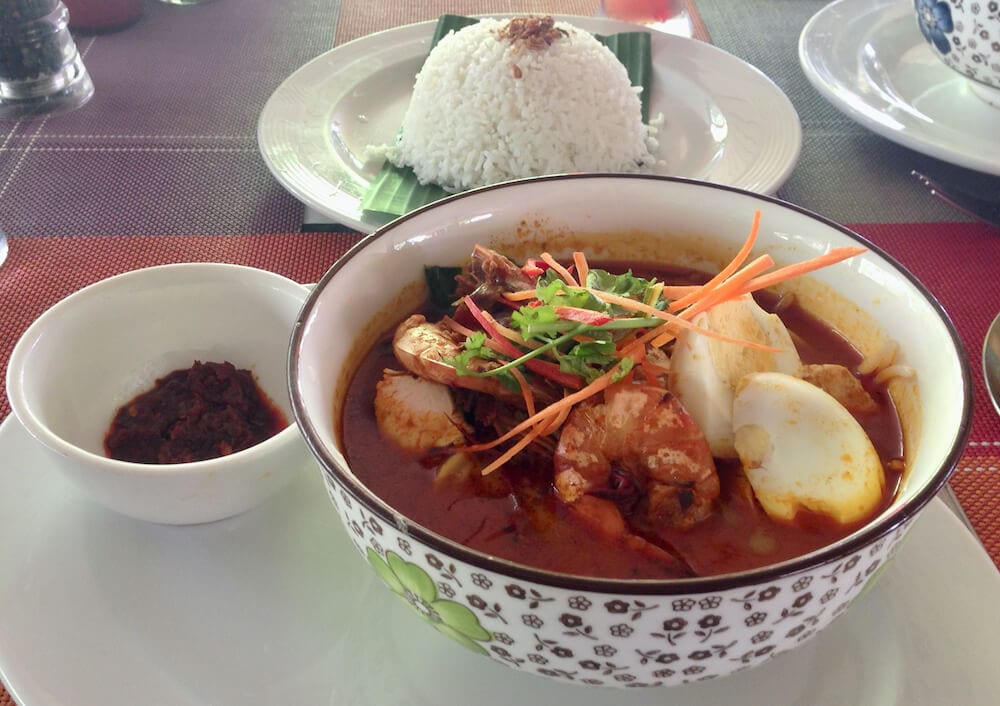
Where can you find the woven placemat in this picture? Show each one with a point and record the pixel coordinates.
(957, 263)
(42, 270)
(845, 171)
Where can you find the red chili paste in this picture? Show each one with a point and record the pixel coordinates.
(206, 411)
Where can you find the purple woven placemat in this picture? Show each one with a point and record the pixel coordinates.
(168, 142)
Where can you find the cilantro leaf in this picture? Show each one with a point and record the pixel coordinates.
(476, 349)
(589, 360)
(625, 285)
(540, 322)
(624, 369)
(551, 289)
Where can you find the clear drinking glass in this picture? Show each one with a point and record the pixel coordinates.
(101, 16)
(40, 68)
(655, 14)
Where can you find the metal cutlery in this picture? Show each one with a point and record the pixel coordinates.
(991, 362)
(991, 374)
(979, 208)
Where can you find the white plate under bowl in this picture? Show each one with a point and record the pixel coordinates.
(871, 62)
(724, 120)
(276, 607)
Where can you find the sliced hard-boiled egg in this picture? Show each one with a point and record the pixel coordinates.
(417, 414)
(705, 371)
(800, 448)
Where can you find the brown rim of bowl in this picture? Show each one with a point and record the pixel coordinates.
(884, 524)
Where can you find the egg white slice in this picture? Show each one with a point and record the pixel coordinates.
(800, 448)
(705, 371)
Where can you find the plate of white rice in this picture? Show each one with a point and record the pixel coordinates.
(326, 130)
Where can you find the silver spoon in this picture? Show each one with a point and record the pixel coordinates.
(991, 373)
(991, 362)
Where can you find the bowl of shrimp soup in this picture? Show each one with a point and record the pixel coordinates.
(626, 430)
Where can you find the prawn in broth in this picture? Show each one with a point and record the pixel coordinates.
(539, 413)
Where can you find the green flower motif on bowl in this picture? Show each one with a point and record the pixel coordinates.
(413, 584)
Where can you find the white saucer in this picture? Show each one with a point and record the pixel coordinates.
(724, 121)
(276, 607)
(870, 60)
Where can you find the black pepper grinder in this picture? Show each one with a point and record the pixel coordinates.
(40, 68)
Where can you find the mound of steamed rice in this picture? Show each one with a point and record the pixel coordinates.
(488, 107)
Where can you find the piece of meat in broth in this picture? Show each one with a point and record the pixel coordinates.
(838, 381)
(416, 414)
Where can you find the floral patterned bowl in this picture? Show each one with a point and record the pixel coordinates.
(965, 35)
(611, 632)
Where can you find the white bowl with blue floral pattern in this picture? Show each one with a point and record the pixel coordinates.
(965, 35)
(614, 632)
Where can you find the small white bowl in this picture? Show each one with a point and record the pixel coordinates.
(98, 348)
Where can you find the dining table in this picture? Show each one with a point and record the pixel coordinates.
(163, 165)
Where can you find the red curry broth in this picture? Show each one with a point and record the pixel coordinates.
(514, 513)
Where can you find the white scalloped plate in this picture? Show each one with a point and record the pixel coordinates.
(725, 121)
(276, 607)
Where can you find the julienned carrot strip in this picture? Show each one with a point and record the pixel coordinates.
(560, 270)
(800, 268)
(678, 320)
(735, 280)
(728, 270)
(682, 319)
(665, 333)
(670, 291)
(534, 423)
(480, 316)
(676, 291)
(513, 450)
(466, 331)
(550, 427)
(529, 398)
(744, 282)
(510, 333)
(630, 304)
(450, 323)
(582, 268)
(597, 385)
(520, 296)
(730, 289)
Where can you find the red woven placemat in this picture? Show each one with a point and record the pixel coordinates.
(958, 262)
(40, 271)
